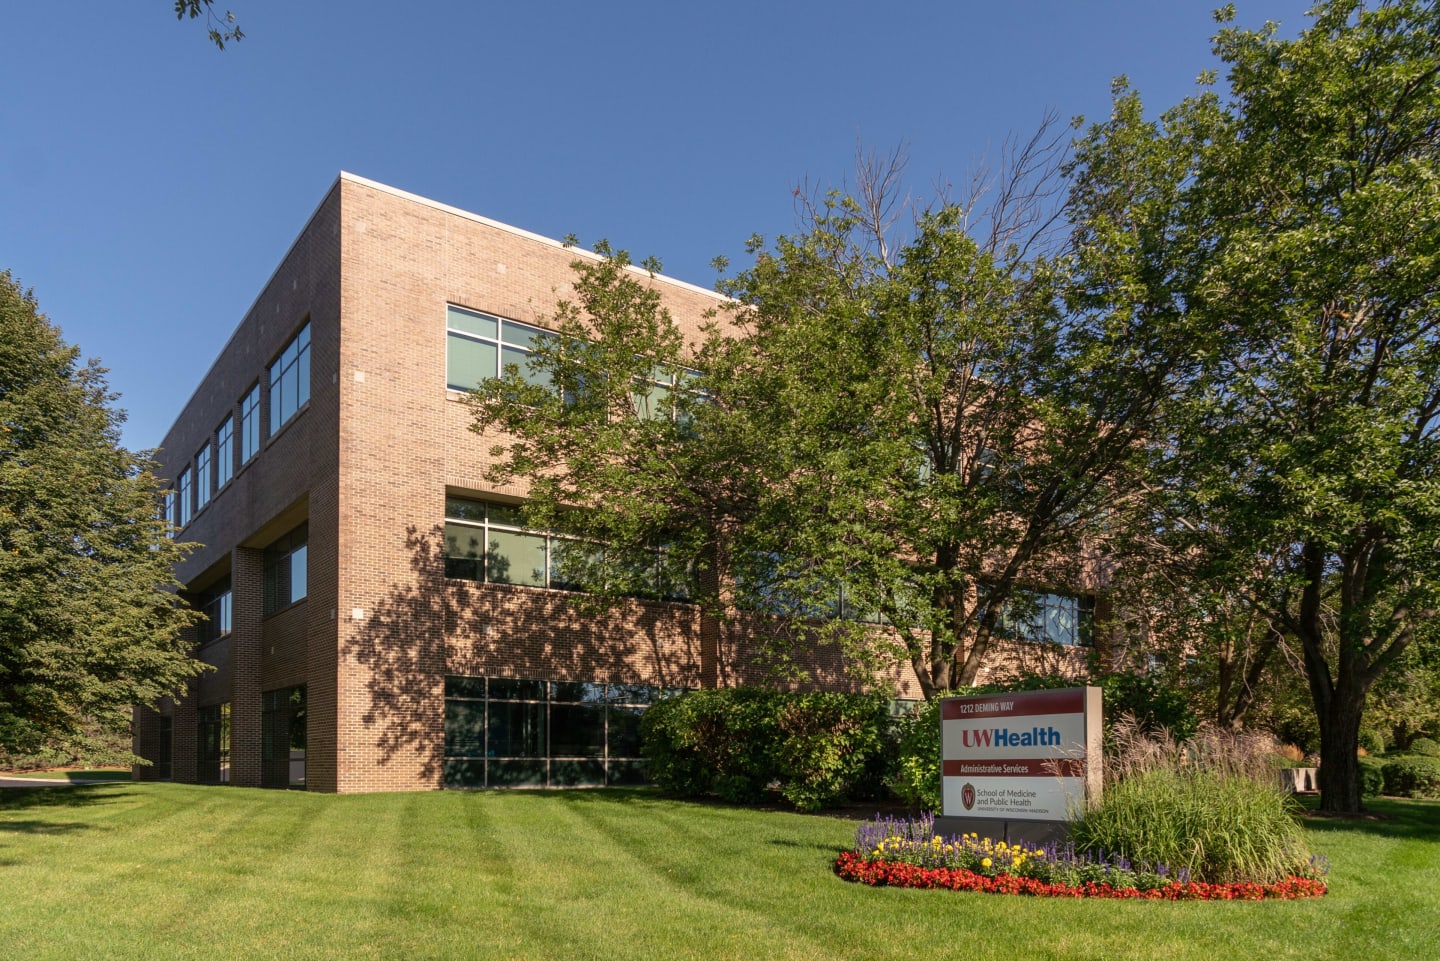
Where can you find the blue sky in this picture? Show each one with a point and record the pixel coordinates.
(150, 184)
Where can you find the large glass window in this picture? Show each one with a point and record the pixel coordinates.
(167, 512)
(224, 452)
(1051, 618)
(504, 732)
(479, 346)
(184, 491)
(202, 476)
(290, 380)
(484, 541)
(250, 424)
(286, 576)
(282, 737)
(213, 747)
(215, 604)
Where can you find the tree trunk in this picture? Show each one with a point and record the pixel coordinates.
(1339, 775)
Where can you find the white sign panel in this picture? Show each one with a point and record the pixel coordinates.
(1019, 757)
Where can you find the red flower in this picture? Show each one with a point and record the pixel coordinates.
(853, 867)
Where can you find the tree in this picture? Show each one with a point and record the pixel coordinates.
(89, 623)
(1297, 227)
(909, 431)
(221, 28)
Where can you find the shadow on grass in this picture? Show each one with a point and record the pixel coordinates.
(58, 795)
(1383, 817)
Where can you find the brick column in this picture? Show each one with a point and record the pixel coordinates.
(247, 608)
(185, 735)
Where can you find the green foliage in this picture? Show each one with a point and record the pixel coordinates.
(1288, 231)
(1372, 740)
(1425, 747)
(1372, 776)
(1154, 704)
(1416, 776)
(89, 624)
(220, 28)
(738, 742)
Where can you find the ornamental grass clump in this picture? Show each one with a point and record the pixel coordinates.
(1209, 807)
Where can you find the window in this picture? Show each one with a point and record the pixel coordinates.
(202, 476)
(184, 491)
(285, 573)
(215, 604)
(652, 396)
(484, 541)
(504, 732)
(290, 380)
(479, 346)
(1050, 618)
(213, 749)
(250, 424)
(224, 452)
(282, 737)
(167, 513)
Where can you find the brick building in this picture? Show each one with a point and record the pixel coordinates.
(377, 618)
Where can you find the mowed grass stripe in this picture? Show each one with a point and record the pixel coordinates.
(160, 870)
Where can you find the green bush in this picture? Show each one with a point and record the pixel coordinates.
(1372, 776)
(738, 742)
(1372, 740)
(1424, 747)
(1153, 704)
(916, 779)
(1415, 776)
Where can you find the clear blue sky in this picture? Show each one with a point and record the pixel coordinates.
(150, 184)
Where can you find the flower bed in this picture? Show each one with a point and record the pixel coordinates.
(907, 853)
(897, 874)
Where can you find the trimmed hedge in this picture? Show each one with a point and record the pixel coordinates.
(1424, 746)
(1413, 776)
(1372, 776)
(736, 743)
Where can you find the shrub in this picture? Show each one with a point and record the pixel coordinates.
(1414, 776)
(738, 742)
(1372, 776)
(916, 779)
(1424, 746)
(1154, 705)
(1372, 741)
(1210, 807)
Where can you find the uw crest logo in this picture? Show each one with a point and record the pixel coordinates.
(967, 796)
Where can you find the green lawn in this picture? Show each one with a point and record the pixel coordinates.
(173, 871)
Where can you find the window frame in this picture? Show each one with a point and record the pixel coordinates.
(281, 573)
(225, 451)
(203, 465)
(249, 426)
(290, 369)
(518, 343)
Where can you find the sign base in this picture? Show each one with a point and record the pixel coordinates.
(1030, 832)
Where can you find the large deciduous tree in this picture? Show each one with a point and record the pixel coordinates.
(89, 624)
(1300, 233)
(915, 430)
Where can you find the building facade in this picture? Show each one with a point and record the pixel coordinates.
(377, 617)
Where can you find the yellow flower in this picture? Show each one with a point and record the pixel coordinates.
(985, 862)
